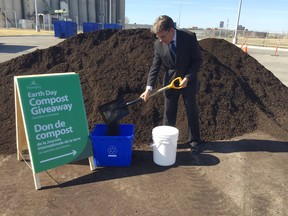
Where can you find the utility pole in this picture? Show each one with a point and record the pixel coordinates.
(179, 15)
(236, 28)
(15, 18)
(110, 13)
(36, 15)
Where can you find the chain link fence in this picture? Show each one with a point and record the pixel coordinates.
(264, 39)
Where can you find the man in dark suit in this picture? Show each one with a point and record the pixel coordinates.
(179, 52)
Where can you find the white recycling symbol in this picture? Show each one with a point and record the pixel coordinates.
(112, 150)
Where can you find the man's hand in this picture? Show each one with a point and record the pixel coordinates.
(145, 95)
(184, 83)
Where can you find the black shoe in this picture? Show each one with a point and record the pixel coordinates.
(195, 147)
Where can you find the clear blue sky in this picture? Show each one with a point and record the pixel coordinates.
(257, 15)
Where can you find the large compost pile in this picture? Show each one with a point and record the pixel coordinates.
(237, 94)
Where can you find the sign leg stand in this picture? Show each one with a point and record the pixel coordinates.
(36, 181)
(91, 162)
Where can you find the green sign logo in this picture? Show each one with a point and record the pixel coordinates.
(55, 119)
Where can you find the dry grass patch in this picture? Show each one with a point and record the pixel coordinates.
(23, 32)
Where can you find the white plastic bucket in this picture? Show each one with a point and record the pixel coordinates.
(164, 145)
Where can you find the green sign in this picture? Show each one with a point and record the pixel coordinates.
(54, 119)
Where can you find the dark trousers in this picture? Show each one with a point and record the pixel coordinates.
(171, 98)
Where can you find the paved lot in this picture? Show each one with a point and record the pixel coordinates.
(242, 176)
(14, 46)
(274, 60)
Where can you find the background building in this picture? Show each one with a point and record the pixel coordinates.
(22, 13)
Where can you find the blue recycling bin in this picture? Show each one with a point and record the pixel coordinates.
(65, 29)
(117, 26)
(112, 26)
(90, 27)
(107, 26)
(112, 150)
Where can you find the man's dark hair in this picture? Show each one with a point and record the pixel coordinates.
(162, 23)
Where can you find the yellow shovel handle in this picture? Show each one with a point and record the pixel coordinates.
(171, 85)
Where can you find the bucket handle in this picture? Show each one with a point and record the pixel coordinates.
(154, 144)
(157, 146)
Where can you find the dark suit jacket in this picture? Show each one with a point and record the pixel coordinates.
(188, 59)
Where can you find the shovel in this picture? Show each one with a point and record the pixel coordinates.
(113, 111)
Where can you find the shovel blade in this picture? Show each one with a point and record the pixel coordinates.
(113, 111)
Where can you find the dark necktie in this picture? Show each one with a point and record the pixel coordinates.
(173, 50)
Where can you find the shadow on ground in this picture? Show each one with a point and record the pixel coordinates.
(142, 161)
(13, 48)
(246, 145)
(142, 164)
